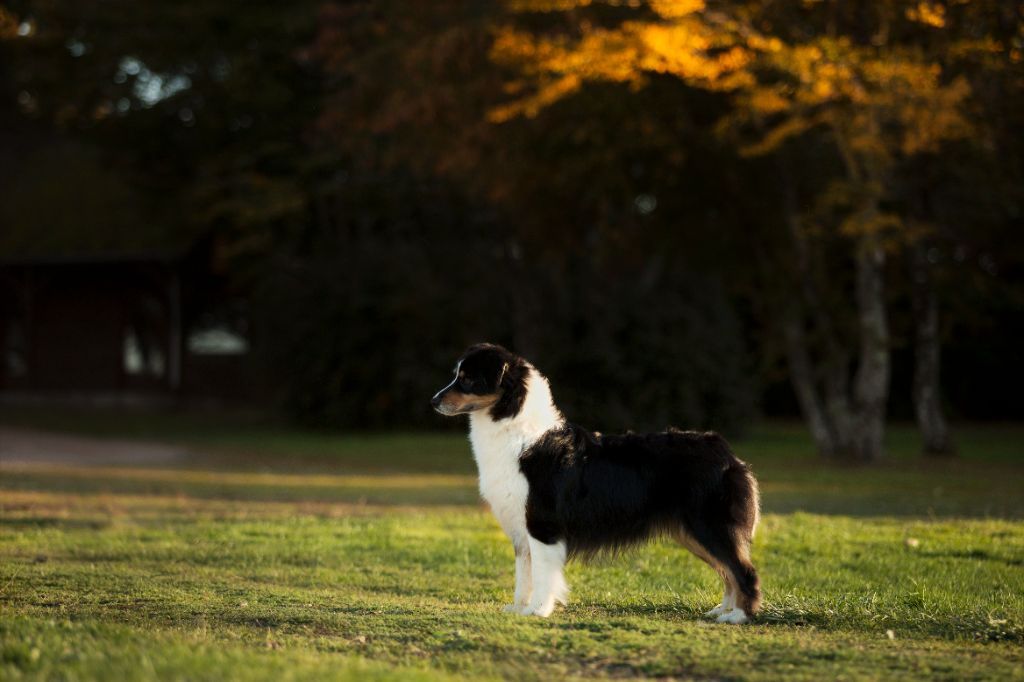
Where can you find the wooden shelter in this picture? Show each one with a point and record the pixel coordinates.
(116, 328)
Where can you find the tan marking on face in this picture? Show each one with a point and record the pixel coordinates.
(457, 402)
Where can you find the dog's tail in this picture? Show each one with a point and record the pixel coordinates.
(745, 510)
(744, 498)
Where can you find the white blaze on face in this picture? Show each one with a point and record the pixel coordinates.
(458, 367)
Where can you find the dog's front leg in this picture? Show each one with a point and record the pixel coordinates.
(546, 565)
(524, 584)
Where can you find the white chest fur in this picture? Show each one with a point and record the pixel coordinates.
(497, 446)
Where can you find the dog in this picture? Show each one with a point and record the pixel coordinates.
(560, 491)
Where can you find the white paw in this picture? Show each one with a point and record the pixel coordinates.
(543, 610)
(715, 611)
(736, 617)
(562, 595)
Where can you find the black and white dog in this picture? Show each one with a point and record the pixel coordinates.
(559, 491)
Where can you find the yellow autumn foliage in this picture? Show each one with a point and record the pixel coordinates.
(859, 224)
(768, 100)
(674, 9)
(929, 13)
(546, 5)
(878, 102)
(8, 24)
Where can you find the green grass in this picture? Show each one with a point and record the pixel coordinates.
(272, 554)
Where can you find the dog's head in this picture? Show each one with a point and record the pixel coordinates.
(486, 377)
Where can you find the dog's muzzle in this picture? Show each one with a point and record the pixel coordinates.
(437, 402)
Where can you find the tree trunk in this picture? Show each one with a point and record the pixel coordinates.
(801, 375)
(817, 409)
(926, 388)
(871, 385)
(842, 425)
(837, 399)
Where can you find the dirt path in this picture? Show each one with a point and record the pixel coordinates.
(23, 446)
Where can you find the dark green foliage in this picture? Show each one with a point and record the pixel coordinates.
(362, 320)
(339, 158)
(645, 351)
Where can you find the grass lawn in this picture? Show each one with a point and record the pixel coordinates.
(275, 554)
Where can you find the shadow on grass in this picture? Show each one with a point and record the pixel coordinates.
(905, 504)
(38, 522)
(979, 554)
(971, 626)
(978, 627)
(313, 617)
(770, 615)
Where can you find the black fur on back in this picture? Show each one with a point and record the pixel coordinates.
(608, 492)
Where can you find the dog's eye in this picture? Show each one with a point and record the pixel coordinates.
(465, 384)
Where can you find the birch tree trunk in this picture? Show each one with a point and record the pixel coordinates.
(927, 351)
(801, 375)
(871, 385)
(845, 422)
(837, 399)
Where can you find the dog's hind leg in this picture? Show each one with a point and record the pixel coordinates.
(549, 586)
(747, 592)
(729, 549)
(727, 535)
(728, 602)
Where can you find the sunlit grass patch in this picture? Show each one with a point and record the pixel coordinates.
(423, 587)
(144, 573)
(66, 649)
(421, 488)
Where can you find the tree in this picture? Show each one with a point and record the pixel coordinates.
(871, 84)
(575, 206)
(201, 107)
(879, 107)
(549, 176)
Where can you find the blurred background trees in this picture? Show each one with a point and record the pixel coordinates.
(684, 212)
